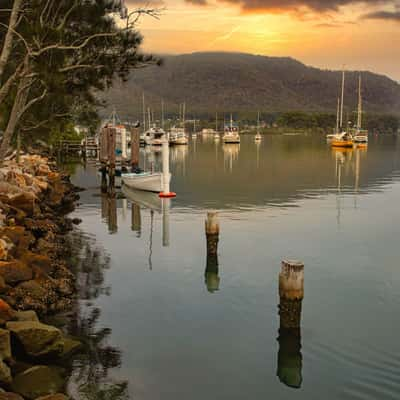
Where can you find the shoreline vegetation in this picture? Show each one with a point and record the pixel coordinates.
(35, 281)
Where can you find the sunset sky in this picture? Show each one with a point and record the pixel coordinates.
(360, 34)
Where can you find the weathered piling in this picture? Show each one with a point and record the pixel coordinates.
(212, 279)
(135, 146)
(291, 293)
(111, 157)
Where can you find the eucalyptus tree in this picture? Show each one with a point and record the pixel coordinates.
(55, 53)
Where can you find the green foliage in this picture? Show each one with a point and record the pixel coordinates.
(70, 74)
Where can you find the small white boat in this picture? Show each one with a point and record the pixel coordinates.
(154, 136)
(177, 136)
(258, 135)
(148, 181)
(231, 133)
(361, 137)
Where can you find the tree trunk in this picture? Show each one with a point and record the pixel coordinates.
(19, 102)
(8, 41)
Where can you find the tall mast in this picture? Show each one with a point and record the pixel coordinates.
(162, 114)
(183, 114)
(231, 122)
(258, 122)
(359, 113)
(341, 106)
(216, 122)
(144, 113)
(337, 115)
(149, 116)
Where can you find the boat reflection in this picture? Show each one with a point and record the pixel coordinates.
(150, 201)
(231, 154)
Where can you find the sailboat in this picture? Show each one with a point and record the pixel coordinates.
(216, 134)
(231, 133)
(344, 138)
(258, 135)
(361, 136)
(177, 135)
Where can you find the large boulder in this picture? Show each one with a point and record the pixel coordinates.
(29, 315)
(5, 373)
(6, 312)
(15, 271)
(5, 247)
(5, 345)
(37, 339)
(58, 396)
(10, 396)
(38, 381)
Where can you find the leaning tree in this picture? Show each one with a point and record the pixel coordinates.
(54, 55)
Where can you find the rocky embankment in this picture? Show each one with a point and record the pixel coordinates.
(34, 278)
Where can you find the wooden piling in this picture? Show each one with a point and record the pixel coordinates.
(212, 279)
(291, 280)
(135, 146)
(212, 233)
(291, 293)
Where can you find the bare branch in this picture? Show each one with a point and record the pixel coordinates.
(32, 102)
(80, 66)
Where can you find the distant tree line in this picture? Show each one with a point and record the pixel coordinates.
(54, 54)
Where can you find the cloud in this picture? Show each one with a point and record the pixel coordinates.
(278, 6)
(383, 15)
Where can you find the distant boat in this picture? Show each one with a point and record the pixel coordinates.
(345, 138)
(231, 133)
(361, 136)
(154, 136)
(258, 135)
(178, 136)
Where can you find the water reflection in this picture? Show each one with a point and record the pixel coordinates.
(151, 201)
(109, 211)
(90, 377)
(231, 154)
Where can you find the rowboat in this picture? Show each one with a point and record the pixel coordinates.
(148, 181)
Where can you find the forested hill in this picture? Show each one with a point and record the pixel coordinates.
(244, 82)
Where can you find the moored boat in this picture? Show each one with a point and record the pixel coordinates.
(154, 136)
(231, 133)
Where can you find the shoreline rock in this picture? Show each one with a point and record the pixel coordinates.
(34, 278)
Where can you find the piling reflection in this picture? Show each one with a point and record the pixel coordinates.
(212, 279)
(291, 292)
(109, 211)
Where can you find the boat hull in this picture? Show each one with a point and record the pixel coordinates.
(231, 139)
(146, 181)
(342, 143)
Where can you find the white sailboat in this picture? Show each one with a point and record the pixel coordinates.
(177, 135)
(361, 136)
(258, 135)
(231, 133)
(343, 138)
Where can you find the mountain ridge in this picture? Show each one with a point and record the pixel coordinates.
(228, 81)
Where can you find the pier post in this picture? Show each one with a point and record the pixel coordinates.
(212, 279)
(291, 293)
(111, 157)
(103, 171)
(135, 145)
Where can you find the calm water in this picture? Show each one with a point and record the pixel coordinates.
(158, 329)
